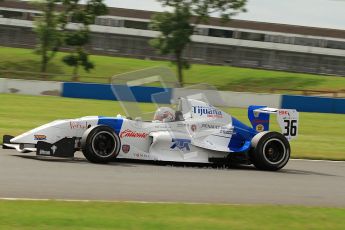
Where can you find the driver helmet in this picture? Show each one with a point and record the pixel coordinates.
(165, 114)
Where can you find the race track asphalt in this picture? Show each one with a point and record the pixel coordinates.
(316, 183)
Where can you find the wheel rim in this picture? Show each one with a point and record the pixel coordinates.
(274, 151)
(103, 144)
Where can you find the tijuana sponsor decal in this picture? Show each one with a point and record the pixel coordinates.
(208, 111)
(133, 134)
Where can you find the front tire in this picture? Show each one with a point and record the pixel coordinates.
(270, 151)
(100, 144)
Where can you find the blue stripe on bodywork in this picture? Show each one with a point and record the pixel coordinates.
(242, 137)
(115, 123)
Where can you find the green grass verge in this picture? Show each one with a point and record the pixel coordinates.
(223, 77)
(321, 135)
(102, 215)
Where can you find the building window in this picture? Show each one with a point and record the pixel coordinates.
(252, 36)
(308, 42)
(116, 23)
(279, 39)
(220, 33)
(109, 22)
(335, 44)
(136, 25)
(12, 14)
(201, 31)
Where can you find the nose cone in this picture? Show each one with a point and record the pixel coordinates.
(42, 133)
(56, 130)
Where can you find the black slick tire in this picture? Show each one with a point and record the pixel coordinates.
(100, 144)
(270, 151)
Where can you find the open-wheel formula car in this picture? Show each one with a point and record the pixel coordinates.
(197, 132)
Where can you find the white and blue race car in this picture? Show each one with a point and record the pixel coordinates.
(199, 133)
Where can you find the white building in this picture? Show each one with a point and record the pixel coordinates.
(125, 32)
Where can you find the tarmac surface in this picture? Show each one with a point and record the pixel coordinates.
(301, 182)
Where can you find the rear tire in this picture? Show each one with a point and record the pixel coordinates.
(270, 151)
(100, 144)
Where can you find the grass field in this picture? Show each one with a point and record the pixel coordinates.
(223, 77)
(102, 215)
(321, 135)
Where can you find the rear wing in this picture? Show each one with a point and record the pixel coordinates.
(259, 117)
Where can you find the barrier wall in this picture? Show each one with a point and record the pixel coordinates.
(314, 104)
(2, 85)
(104, 92)
(165, 96)
(217, 98)
(30, 87)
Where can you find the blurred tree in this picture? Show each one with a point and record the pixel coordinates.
(47, 28)
(177, 27)
(83, 16)
(52, 34)
(78, 57)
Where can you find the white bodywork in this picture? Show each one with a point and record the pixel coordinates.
(205, 132)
